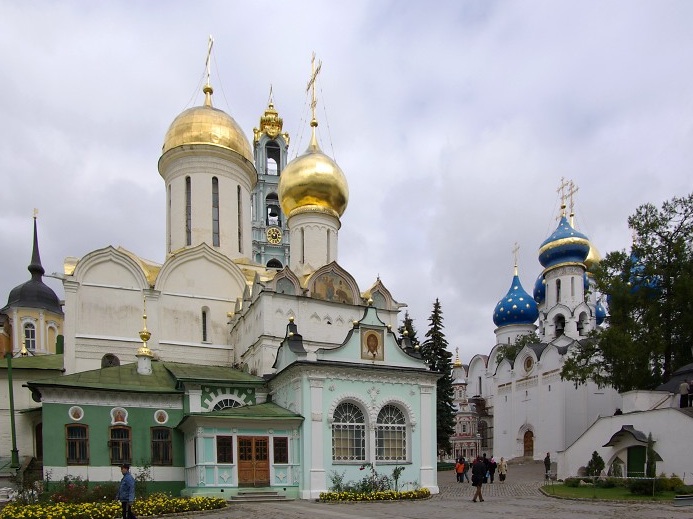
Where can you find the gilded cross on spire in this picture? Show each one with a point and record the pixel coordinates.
(516, 249)
(315, 70)
(572, 189)
(561, 189)
(207, 89)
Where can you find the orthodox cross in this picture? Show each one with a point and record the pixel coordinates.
(210, 44)
(516, 249)
(561, 189)
(572, 189)
(311, 86)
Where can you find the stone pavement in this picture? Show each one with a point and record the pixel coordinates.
(519, 498)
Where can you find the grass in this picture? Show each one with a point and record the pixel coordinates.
(610, 494)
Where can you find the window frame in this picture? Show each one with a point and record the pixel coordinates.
(122, 445)
(280, 449)
(348, 437)
(162, 448)
(76, 444)
(394, 433)
(29, 341)
(224, 449)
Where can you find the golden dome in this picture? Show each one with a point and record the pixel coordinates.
(313, 182)
(593, 258)
(207, 125)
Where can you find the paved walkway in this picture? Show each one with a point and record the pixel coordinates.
(518, 498)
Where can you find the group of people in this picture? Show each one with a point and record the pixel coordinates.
(483, 471)
(686, 393)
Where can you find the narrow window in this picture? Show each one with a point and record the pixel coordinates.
(30, 336)
(188, 211)
(240, 219)
(204, 325)
(162, 446)
(168, 223)
(281, 450)
(479, 386)
(572, 287)
(558, 291)
(303, 246)
(77, 444)
(120, 445)
(348, 434)
(224, 449)
(215, 211)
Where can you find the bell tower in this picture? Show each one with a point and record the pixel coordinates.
(269, 224)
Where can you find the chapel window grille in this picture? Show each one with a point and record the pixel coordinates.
(30, 336)
(391, 435)
(162, 446)
(120, 445)
(226, 403)
(281, 449)
(224, 449)
(348, 434)
(215, 212)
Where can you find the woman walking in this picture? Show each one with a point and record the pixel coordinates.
(502, 469)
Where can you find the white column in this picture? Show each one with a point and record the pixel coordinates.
(318, 482)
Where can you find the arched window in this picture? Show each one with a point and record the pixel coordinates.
(391, 435)
(109, 360)
(215, 211)
(188, 211)
(348, 433)
(226, 403)
(559, 324)
(272, 210)
(30, 336)
(273, 153)
(240, 218)
(205, 311)
(274, 264)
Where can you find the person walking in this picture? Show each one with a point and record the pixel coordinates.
(459, 469)
(465, 472)
(126, 492)
(502, 469)
(478, 473)
(492, 465)
(547, 466)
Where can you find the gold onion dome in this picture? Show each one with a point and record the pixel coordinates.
(593, 258)
(207, 125)
(313, 182)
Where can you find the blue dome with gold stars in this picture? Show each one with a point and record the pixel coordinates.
(517, 307)
(600, 312)
(565, 245)
(540, 289)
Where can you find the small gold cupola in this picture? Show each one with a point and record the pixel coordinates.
(144, 354)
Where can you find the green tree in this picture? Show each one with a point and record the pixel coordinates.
(434, 351)
(408, 326)
(510, 351)
(651, 461)
(595, 465)
(650, 298)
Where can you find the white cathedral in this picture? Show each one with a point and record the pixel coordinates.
(260, 363)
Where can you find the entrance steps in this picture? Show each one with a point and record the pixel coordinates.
(257, 496)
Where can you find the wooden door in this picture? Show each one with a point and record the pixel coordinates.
(253, 461)
(528, 444)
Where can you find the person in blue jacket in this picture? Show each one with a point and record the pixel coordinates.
(126, 492)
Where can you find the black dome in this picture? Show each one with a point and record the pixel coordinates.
(34, 293)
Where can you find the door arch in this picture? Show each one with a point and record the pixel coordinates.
(528, 444)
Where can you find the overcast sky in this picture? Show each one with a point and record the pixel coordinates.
(453, 122)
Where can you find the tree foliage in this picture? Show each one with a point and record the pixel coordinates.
(510, 351)
(595, 465)
(650, 299)
(408, 326)
(434, 351)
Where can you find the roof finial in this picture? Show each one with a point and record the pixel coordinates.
(572, 189)
(145, 335)
(207, 89)
(35, 267)
(271, 98)
(516, 249)
(315, 70)
(561, 189)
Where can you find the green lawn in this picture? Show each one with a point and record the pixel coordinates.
(614, 494)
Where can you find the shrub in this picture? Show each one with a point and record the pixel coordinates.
(572, 482)
(607, 483)
(595, 465)
(644, 487)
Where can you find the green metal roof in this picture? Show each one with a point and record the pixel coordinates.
(266, 411)
(211, 374)
(115, 378)
(49, 362)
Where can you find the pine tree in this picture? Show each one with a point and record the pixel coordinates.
(408, 326)
(434, 351)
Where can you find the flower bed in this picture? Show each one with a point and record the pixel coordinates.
(155, 504)
(383, 495)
